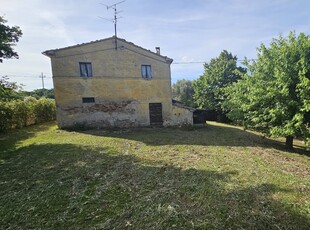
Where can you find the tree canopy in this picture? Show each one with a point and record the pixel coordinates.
(183, 91)
(9, 36)
(9, 90)
(218, 74)
(274, 97)
(38, 93)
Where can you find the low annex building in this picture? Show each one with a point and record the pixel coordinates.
(114, 83)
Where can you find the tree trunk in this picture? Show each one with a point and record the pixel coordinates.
(289, 142)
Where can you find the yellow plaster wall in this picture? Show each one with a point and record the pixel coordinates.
(122, 96)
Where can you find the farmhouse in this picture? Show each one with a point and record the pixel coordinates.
(114, 83)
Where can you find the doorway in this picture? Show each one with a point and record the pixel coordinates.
(156, 113)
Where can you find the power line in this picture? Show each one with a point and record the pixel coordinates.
(202, 62)
(23, 76)
(189, 62)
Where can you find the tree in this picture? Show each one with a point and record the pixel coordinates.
(275, 96)
(218, 74)
(9, 90)
(38, 93)
(183, 91)
(8, 37)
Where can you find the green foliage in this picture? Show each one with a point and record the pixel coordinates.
(8, 37)
(45, 110)
(183, 91)
(275, 96)
(17, 111)
(22, 113)
(218, 74)
(38, 93)
(6, 115)
(9, 90)
(12, 91)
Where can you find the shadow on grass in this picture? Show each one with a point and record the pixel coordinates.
(8, 141)
(212, 135)
(66, 186)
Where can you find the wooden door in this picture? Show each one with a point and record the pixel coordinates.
(156, 113)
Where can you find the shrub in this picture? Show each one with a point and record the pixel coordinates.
(21, 113)
(6, 114)
(45, 110)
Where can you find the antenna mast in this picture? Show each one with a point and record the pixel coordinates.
(113, 6)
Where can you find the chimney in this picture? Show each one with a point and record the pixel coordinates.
(157, 50)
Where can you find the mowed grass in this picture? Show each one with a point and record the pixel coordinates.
(217, 177)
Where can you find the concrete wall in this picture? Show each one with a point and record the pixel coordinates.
(121, 95)
(181, 116)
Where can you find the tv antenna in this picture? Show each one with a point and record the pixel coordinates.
(114, 20)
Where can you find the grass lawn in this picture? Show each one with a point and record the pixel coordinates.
(217, 177)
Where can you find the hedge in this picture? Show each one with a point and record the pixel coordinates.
(22, 113)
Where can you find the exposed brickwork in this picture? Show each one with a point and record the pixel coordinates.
(104, 107)
(121, 95)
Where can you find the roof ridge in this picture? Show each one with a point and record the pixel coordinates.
(105, 39)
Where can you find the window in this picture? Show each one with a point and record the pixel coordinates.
(146, 71)
(86, 69)
(88, 100)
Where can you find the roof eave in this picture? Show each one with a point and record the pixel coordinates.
(51, 53)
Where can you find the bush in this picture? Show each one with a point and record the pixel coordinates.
(45, 110)
(21, 113)
(6, 115)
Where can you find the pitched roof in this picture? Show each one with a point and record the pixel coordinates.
(181, 105)
(50, 52)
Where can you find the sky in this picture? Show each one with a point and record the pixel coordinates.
(186, 30)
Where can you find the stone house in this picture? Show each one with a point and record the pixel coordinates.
(114, 83)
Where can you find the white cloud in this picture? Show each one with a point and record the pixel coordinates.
(195, 30)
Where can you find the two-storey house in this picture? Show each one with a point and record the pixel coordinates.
(113, 83)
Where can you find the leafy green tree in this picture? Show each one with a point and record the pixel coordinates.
(183, 91)
(8, 37)
(275, 96)
(49, 93)
(219, 73)
(38, 93)
(9, 90)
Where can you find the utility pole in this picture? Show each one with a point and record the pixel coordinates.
(113, 6)
(42, 77)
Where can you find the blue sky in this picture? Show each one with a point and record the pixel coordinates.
(186, 30)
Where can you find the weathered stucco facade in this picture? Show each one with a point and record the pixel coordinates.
(113, 83)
